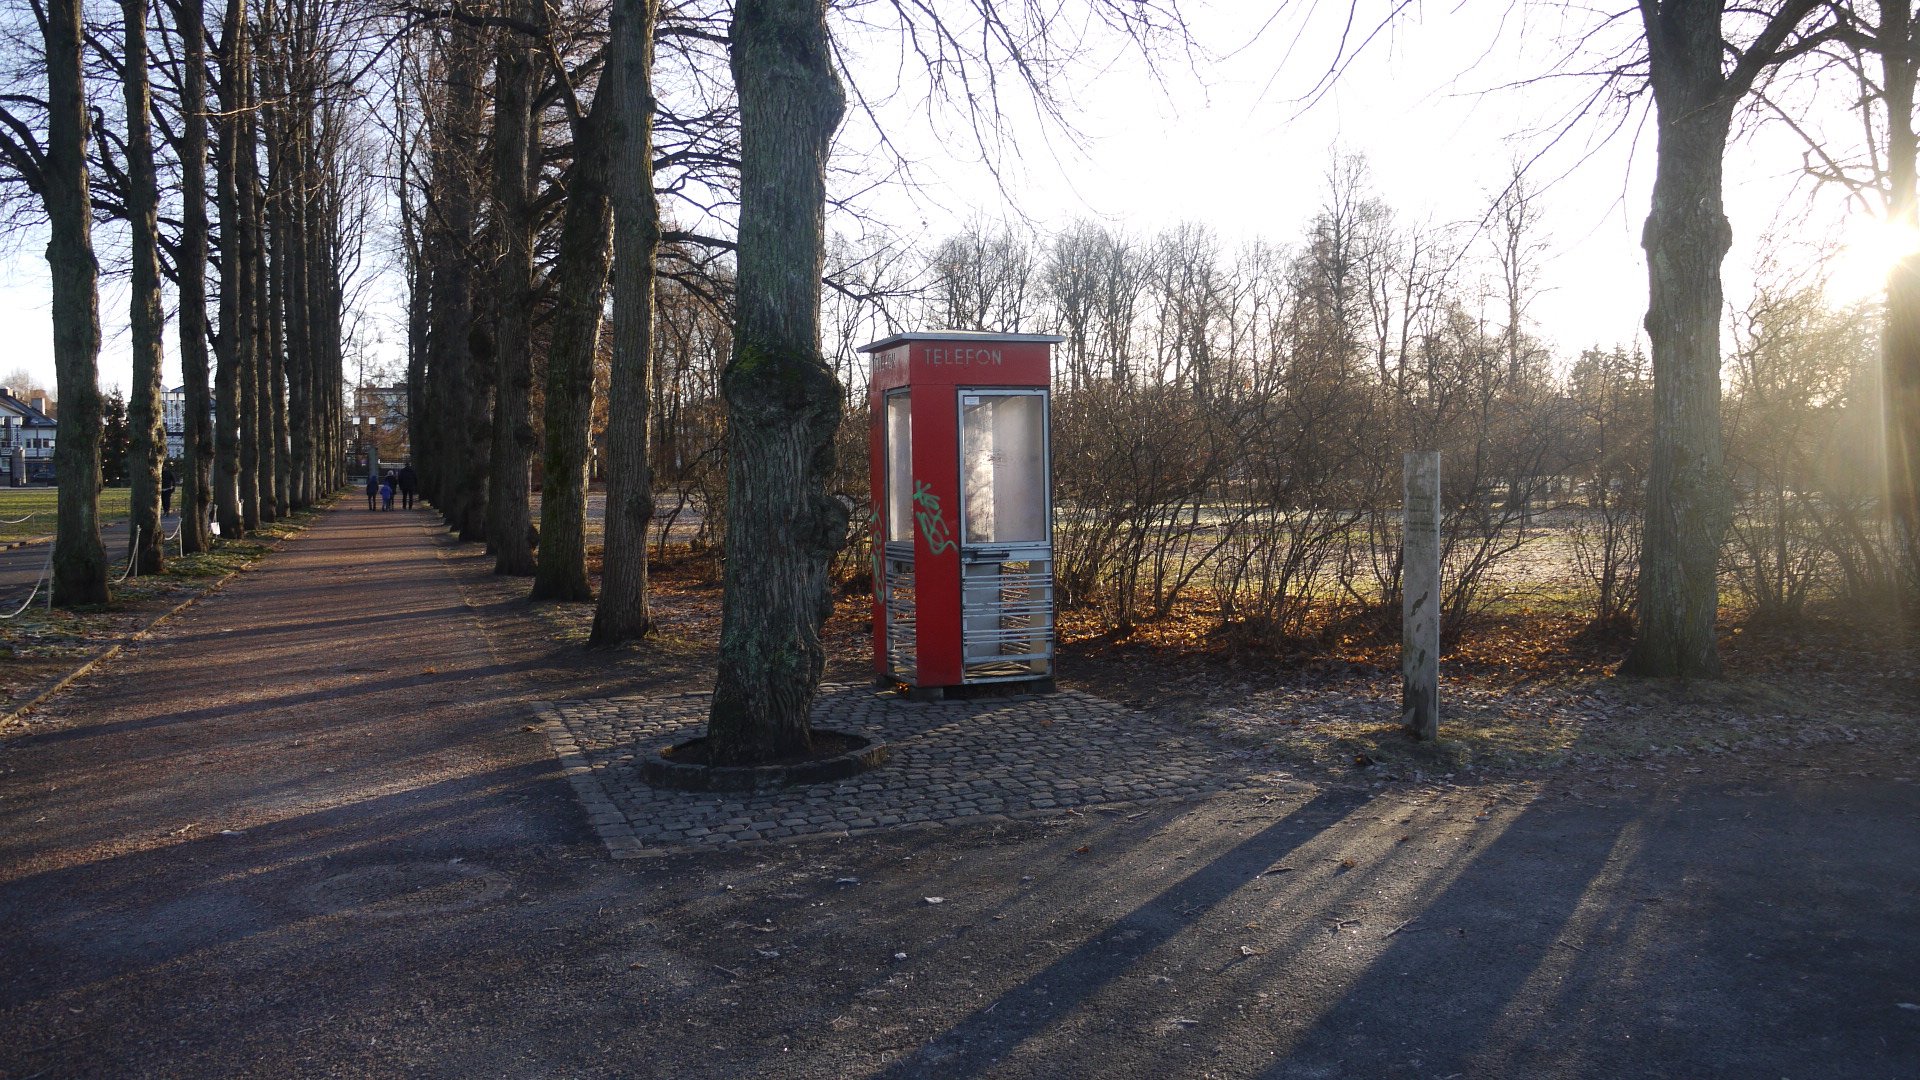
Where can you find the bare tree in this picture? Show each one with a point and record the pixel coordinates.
(190, 261)
(623, 613)
(1877, 50)
(515, 173)
(55, 170)
(783, 400)
(149, 440)
(1695, 91)
(581, 266)
(234, 340)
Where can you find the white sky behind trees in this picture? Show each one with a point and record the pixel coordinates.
(1220, 137)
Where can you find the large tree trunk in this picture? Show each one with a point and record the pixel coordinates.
(453, 368)
(1900, 378)
(148, 450)
(265, 317)
(196, 474)
(1900, 337)
(622, 613)
(243, 232)
(509, 504)
(285, 181)
(277, 385)
(233, 341)
(420, 380)
(580, 287)
(290, 229)
(79, 559)
(1689, 498)
(783, 400)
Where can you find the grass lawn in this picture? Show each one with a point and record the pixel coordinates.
(16, 503)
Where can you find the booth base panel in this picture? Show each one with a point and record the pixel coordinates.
(968, 691)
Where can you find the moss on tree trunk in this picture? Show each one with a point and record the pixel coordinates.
(783, 400)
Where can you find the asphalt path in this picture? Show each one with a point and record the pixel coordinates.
(307, 828)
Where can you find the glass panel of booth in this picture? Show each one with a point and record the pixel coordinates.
(1003, 467)
(900, 467)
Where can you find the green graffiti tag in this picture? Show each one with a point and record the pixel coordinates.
(933, 524)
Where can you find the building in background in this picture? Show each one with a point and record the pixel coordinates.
(378, 422)
(25, 425)
(173, 416)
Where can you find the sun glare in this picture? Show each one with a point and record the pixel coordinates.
(1868, 253)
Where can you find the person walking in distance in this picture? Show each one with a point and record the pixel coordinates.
(373, 489)
(387, 484)
(168, 481)
(409, 483)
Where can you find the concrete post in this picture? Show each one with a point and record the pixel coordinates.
(1420, 596)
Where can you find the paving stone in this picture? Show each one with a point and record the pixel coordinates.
(952, 762)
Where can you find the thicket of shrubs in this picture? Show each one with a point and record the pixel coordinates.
(1228, 424)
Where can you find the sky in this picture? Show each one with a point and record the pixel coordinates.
(1221, 137)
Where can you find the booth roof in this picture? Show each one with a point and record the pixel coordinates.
(891, 340)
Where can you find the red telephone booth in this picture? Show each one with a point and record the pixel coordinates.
(963, 511)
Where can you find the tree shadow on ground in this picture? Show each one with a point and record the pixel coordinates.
(101, 919)
(1042, 999)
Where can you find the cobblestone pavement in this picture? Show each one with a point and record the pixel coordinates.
(953, 762)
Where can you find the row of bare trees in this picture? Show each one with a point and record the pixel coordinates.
(115, 115)
(1229, 420)
(563, 159)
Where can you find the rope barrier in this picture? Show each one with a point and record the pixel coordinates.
(133, 553)
(46, 566)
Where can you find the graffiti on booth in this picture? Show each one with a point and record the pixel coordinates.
(933, 523)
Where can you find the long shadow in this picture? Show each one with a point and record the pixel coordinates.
(414, 681)
(1051, 994)
(1648, 940)
(1534, 897)
(103, 919)
(309, 626)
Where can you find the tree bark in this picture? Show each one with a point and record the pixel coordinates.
(277, 392)
(1686, 237)
(265, 319)
(1900, 380)
(232, 341)
(285, 178)
(196, 474)
(509, 503)
(146, 322)
(623, 613)
(1900, 337)
(79, 558)
(453, 367)
(580, 288)
(783, 400)
(243, 233)
(290, 226)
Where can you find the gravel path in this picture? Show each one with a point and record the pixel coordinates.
(311, 828)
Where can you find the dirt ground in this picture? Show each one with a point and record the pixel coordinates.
(304, 830)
